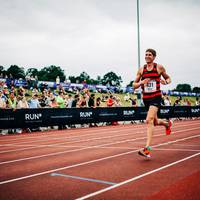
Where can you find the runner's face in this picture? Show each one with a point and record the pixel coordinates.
(149, 57)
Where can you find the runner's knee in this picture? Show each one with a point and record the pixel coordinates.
(155, 122)
(150, 120)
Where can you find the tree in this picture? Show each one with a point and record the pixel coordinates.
(111, 79)
(83, 77)
(2, 72)
(98, 79)
(51, 73)
(72, 79)
(94, 82)
(16, 72)
(183, 88)
(1, 69)
(130, 84)
(32, 72)
(196, 89)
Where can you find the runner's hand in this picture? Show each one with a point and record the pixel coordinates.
(145, 81)
(163, 82)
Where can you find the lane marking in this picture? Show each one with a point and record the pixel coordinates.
(72, 132)
(75, 141)
(84, 163)
(70, 151)
(114, 147)
(188, 145)
(187, 150)
(136, 177)
(65, 146)
(53, 133)
(93, 132)
(90, 147)
(32, 146)
(54, 145)
(83, 179)
(97, 133)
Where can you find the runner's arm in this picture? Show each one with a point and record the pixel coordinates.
(137, 83)
(167, 79)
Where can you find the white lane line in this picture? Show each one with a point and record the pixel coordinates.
(186, 150)
(78, 146)
(57, 144)
(70, 151)
(157, 149)
(52, 133)
(87, 162)
(137, 177)
(70, 135)
(97, 132)
(30, 146)
(188, 145)
(67, 146)
(40, 146)
(71, 141)
(71, 132)
(84, 148)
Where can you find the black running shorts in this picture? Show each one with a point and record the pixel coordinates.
(156, 101)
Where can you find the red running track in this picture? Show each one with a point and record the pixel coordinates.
(101, 163)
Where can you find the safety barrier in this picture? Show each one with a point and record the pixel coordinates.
(22, 118)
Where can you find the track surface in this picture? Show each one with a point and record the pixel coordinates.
(101, 163)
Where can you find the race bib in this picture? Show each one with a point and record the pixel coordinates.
(150, 86)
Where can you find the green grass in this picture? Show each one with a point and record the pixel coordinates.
(121, 96)
(191, 99)
(128, 103)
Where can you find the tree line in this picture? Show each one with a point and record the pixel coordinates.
(50, 73)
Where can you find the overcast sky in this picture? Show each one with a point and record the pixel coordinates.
(99, 36)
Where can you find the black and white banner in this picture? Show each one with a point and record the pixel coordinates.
(42, 117)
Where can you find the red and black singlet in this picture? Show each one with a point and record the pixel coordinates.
(152, 88)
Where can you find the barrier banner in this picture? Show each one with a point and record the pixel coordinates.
(41, 117)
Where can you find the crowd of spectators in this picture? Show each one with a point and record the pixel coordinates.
(20, 97)
(179, 101)
(44, 97)
(13, 97)
(35, 95)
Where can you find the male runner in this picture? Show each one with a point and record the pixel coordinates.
(149, 78)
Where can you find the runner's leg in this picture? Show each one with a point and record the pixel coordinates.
(151, 116)
(160, 122)
(167, 123)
